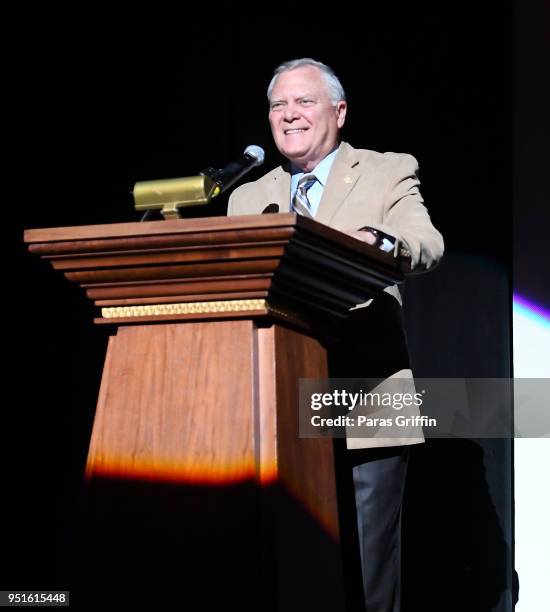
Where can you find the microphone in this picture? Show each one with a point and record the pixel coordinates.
(226, 177)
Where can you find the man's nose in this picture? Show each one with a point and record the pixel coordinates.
(291, 112)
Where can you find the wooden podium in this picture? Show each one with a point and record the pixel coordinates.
(200, 493)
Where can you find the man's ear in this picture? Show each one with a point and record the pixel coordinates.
(341, 109)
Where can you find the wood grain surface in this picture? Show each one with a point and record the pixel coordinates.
(176, 403)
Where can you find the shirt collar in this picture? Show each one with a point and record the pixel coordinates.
(321, 170)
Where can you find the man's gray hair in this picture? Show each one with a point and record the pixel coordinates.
(335, 89)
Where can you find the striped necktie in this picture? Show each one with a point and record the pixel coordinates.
(300, 203)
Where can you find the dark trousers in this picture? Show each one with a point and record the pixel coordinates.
(372, 344)
(379, 481)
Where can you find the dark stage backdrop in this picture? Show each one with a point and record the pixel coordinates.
(105, 104)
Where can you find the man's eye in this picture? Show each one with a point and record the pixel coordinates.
(306, 102)
(276, 105)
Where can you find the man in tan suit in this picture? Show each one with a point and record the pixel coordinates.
(374, 197)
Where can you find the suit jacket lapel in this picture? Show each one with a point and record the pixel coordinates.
(278, 190)
(343, 175)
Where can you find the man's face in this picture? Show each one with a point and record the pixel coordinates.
(304, 122)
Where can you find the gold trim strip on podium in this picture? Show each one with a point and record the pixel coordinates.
(147, 310)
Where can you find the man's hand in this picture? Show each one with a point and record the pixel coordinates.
(385, 243)
(363, 235)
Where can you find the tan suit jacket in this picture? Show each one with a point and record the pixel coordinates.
(364, 187)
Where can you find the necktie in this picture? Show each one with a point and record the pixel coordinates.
(300, 203)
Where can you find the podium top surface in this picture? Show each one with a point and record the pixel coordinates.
(166, 268)
(136, 229)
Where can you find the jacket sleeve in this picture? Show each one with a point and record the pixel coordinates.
(406, 217)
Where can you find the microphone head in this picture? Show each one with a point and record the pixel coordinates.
(256, 153)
